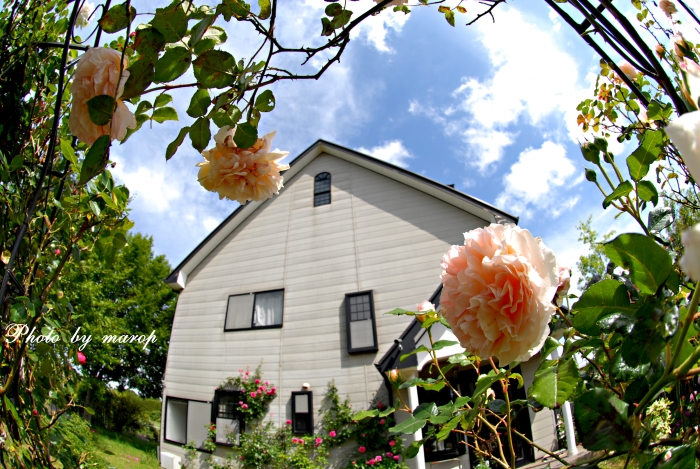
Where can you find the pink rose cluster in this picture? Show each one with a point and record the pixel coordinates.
(498, 290)
(98, 73)
(242, 174)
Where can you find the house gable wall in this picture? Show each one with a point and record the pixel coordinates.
(377, 234)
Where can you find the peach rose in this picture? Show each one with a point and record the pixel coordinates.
(498, 290)
(628, 69)
(564, 283)
(668, 7)
(242, 174)
(425, 306)
(97, 73)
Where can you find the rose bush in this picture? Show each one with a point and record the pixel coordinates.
(498, 290)
(98, 73)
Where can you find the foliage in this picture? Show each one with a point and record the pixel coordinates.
(127, 298)
(121, 411)
(593, 265)
(74, 444)
(658, 418)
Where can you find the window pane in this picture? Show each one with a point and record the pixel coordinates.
(268, 308)
(228, 431)
(228, 405)
(301, 403)
(322, 199)
(359, 308)
(361, 334)
(322, 183)
(239, 311)
(176, 421)
(198, 417)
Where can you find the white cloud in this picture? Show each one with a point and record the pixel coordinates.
(393, 152)
(532, 78)
(534, 180)
(374, 30)
(148, 187)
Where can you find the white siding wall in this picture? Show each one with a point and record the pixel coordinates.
(544, 431)
(377, 234)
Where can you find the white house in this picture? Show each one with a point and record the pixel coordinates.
(301, 282)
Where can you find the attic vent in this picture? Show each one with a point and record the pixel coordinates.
(322, 189)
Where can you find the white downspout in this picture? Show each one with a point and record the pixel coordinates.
(568, 419)
(413, 403)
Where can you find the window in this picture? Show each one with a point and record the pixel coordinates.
(186, 420)
(254, 310)
(361, 329)
(302, 412)
(322, 189)
(227, 417)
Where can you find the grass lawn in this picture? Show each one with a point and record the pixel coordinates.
(125, 451)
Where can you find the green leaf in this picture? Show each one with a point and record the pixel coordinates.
(95, 208)
(101, 109)
(447, 428)
(462, 401)
(647, 152)
(363, 414)
(163, 114)
(601, 421)
(408, 426)
(215, 69)
(659, 219)
(140, 119)
(265, 9)
(148, 42)
(175, 144)
(555, 382)
(68, 152)
(647, 192)
(341, 20)
(425, 410)
(141, 74)
(645, 342)
(246, 135)
(199, 103)
(450, 17)
(16, 162)
(485, 381)
(600, 300)
(95, 159)
(441, 344)
(200, 134)
(223, 117)
(265, 102)
(116, 18)
(412, 450)
(622, 190)
(162, 100)
(173, 64)
(401, 312)
(420, 348)
(233, 8)
(326, 28)
(144, 106)
(198, 30)
(334, 9)
(212, 37)
(171, 22)
(682, 457)
(649, 264)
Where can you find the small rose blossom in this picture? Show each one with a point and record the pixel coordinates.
(253, 394)
(628, 69)
(288, 422)
(57, 252)
(97, 73)
(263, 388)
(497, 292)
(240, 402)
(257, 381)
(82, 359)
(267, 383)
(245, 406)
(247, 373)
(690, 262)
(362, 449)
(332, 433)
(319, 441)
(425, 306)
(389, 454)
(83, 17)
(294, 440)
(242, 174)
(397, 457)
(668, 455)
(273, 389)
(392, 443)
(563, 284)
(240, 371)
(301, 441)
(35, 412)
(378, 458)
(382, 422)
(668, 7)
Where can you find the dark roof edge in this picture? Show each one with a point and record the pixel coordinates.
(172, 277)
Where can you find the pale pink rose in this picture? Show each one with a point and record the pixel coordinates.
(684, 132)
(242, 174)
(628, 69)
(425, 306)
(497, 292)
(691, 80)
(668, 7)
(564, 283)
(97, 73)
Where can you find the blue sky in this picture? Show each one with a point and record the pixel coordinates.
(489, 108)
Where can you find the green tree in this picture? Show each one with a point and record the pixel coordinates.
(128, 298)
(592, 265)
